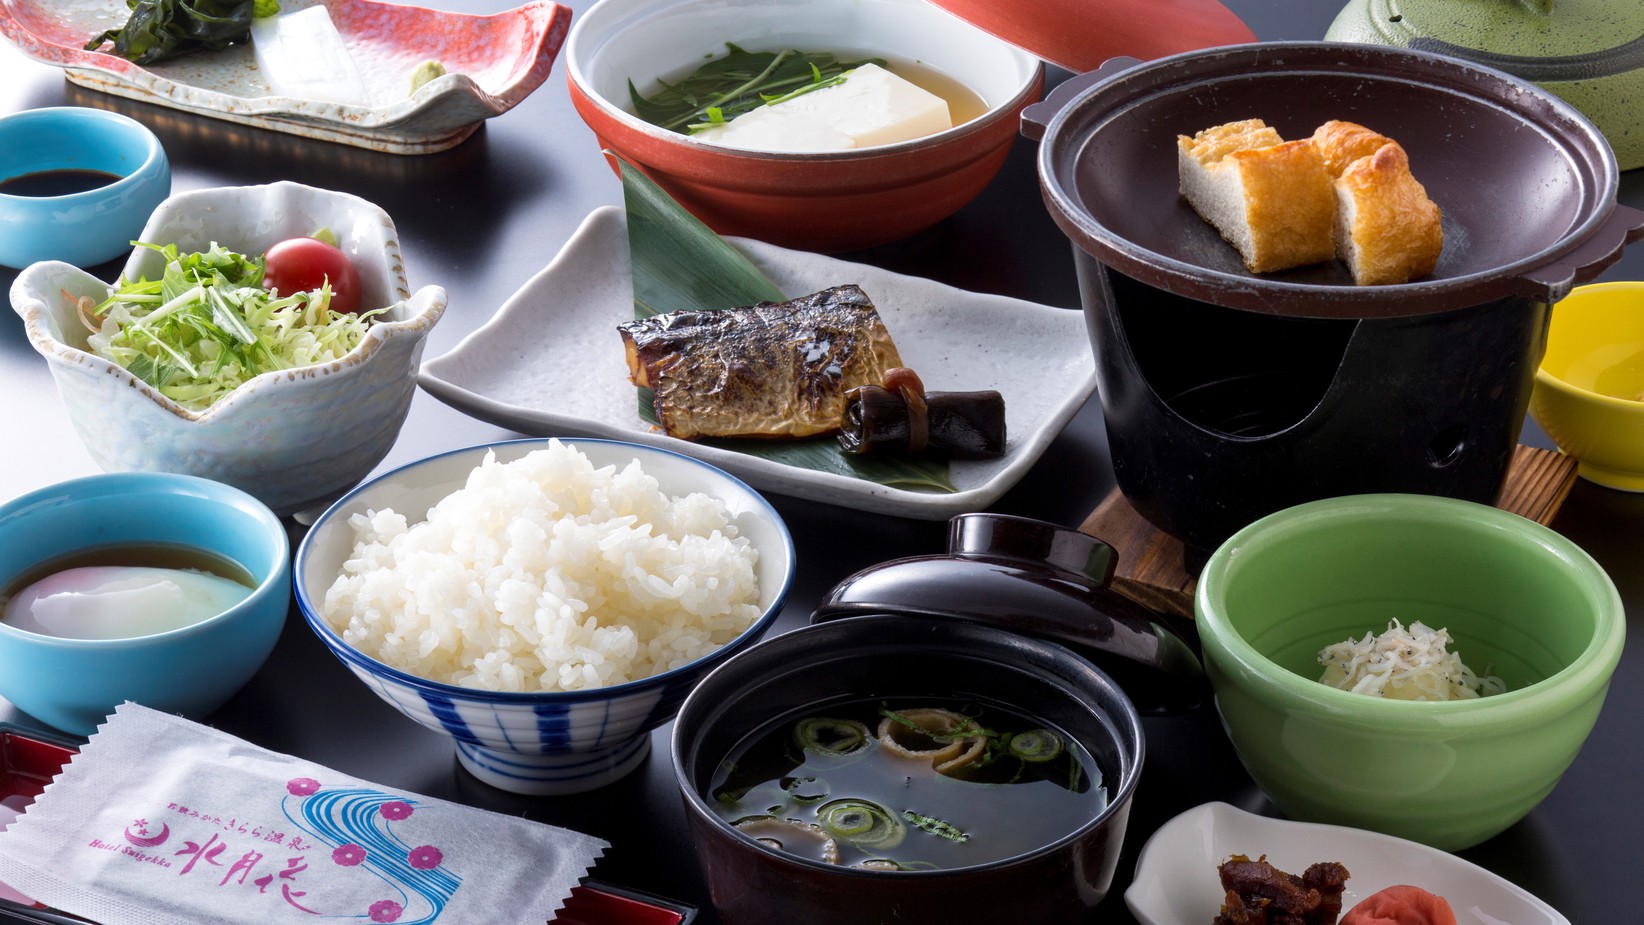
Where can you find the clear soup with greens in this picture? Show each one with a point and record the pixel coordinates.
(908, 784)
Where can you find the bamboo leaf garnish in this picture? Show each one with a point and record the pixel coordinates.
(680, 263)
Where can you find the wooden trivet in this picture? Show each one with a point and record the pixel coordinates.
(1154, 569)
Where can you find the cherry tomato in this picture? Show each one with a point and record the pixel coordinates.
(304, 264)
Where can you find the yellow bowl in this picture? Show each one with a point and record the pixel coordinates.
(1589, 391)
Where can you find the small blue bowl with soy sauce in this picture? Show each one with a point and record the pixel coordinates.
(76, 185)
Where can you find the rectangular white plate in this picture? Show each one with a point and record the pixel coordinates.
(551, 363)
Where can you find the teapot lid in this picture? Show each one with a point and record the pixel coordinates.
(1079, 35)
(1542, 41)
(1038, 579)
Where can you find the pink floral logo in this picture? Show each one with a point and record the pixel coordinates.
(350, 856)
(426, 857)
(302, 786)
(395, 810)
(386, 910)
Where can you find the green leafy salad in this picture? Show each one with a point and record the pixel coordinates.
(208, 325)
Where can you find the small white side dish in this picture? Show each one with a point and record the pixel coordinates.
(293, 438)
(550, 362)
(1176, 882)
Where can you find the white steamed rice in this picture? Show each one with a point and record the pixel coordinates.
(547, 574)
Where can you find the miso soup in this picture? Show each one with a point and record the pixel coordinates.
(908, 784)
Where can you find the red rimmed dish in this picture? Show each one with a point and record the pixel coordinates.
(491, 63)
(830, 202)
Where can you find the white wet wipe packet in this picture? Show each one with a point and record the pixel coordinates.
(160, 820)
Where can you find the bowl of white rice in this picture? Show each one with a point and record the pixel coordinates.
(546, 603)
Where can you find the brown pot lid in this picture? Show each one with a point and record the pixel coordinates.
(1081, 34)
(1038, 579)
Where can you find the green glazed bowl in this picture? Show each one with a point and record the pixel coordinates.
(1520, 602)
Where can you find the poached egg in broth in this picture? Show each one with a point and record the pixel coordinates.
(107, 595)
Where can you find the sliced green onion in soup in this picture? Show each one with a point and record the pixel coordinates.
(862, 823)
(1036, 745)
(830, 736)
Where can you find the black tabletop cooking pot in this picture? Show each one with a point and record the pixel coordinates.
(1229, 395)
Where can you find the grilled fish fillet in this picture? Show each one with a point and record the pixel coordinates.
(775, 369)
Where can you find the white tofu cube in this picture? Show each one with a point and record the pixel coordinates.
(871, 107)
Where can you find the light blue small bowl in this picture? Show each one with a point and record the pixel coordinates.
(73, 684)
(88, 228)
(556, 742)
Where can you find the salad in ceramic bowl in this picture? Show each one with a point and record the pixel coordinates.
(261, 336)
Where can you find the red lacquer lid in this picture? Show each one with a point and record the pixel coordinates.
(1080, 35)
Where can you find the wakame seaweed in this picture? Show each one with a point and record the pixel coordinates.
(161, 29)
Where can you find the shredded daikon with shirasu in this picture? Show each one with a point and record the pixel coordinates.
(1412, 663)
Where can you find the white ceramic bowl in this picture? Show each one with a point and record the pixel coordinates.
(293, 439)
(832, 201)
(549, 742)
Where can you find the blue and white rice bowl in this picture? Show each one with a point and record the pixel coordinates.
(547, 742)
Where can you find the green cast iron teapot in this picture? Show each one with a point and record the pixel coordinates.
(1589, 52)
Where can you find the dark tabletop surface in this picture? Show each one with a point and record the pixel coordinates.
(484, 217)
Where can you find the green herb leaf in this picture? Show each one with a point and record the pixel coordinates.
(737, 82)
(680, 263)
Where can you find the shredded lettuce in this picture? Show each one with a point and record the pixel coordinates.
(208, 326)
